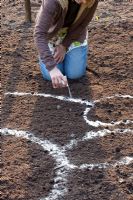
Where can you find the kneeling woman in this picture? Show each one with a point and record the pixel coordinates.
(61, 38)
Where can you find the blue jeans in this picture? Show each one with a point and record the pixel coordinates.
(73, 65)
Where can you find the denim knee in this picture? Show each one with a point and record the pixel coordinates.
(75, 76)
(76, 62)
(44, 71)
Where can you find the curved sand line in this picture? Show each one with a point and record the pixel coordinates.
(89, 104)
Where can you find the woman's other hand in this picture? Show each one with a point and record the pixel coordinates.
(58, 80)
(59, 53)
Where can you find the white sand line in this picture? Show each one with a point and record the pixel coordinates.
(62, 98)
(111, 97)
(101, 133)
(98, 123)
(92, 135)
(71, 144)
(62, 163)
(124, 161)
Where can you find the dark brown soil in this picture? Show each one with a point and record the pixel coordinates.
(27, 170)
(107, 110)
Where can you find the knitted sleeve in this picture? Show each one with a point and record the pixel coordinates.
(44, 20)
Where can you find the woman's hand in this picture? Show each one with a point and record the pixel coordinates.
(58, 80)
(59, 53)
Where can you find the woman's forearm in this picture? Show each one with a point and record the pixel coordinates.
(43, 23)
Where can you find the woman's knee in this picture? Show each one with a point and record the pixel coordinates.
(44, 71)
(75, 75)
(76, 62)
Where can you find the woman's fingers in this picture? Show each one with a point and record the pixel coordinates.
(65, 82)
(56, 82)
(58, 58)
(58, 55)
(62, 58)
(59, 82)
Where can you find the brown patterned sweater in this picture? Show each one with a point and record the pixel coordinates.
(50, 20)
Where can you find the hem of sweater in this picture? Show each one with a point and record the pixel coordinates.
(67, 43)
(49, 67)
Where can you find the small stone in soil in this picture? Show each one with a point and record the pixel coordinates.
(124, 120)
(80, 114)
(30, 75)
(117, 149)
(109, 111)
(112, 122)
(119, 113)
(58, 107)
(72, 135)
(29, 141)
(89, 106)
(121, 180)
(131, 37)
(36, 78)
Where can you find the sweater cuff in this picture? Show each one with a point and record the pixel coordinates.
(49, 68)
(49, 65)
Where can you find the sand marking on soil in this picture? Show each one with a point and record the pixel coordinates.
(62, 163)
(124, 161)
(91, 104)
(98, 123)
(116, 95)
(95, 134)
(63, 166)
(62, 98)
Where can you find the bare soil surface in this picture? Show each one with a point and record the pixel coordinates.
(28, 171)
